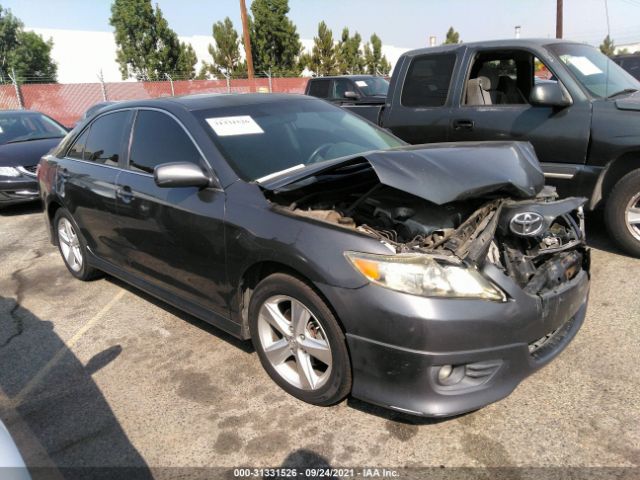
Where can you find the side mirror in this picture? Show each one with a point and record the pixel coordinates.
(551, 94)
(351, 95)
(180, 174)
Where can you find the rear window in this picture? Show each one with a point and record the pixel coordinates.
(428, 80)
(319, 88)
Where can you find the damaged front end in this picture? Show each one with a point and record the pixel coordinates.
(433, 209)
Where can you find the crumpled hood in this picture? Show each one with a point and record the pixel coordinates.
(26, 154)
(631, 102)
(440, 173)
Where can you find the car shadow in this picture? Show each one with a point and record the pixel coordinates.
(597, 235)
(21, 209)
(49, 402)
(244, 345)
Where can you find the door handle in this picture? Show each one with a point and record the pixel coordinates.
(125, 194)
(63, 173)
(463, 124)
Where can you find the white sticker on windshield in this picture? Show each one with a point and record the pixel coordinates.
(361, 83)
(239, 125)
(585, 65)
(1, 130)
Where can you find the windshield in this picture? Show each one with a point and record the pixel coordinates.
(374, 86)
(596, 72)
(20, 127)
(263, 139)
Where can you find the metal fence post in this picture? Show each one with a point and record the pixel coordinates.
(269, 77)
(14, 80)
(103, 86)
(173, 92)
(228, 77)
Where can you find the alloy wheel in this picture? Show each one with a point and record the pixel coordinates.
(632, 216)
(69, 245)
(294, 342)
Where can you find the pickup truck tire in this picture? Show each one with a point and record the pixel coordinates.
(624, 196)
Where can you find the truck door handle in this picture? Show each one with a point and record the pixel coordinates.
(125, 194)
(463, 124)
(64, 173)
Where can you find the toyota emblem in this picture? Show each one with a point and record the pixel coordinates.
(526, 224)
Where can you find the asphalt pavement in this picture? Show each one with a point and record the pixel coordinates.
(99, 374)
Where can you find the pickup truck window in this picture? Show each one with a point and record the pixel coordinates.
(319, 88)
(601, 76)
(374, 86)
(428, 80)
(504, 78)
(340, 87)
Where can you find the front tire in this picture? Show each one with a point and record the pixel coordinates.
(299, 341)
(622, 213)
(72, 246)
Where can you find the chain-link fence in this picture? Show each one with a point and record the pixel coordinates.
(67, 102)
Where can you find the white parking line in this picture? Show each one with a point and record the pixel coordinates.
(42, 373)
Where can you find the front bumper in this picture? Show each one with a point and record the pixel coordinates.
(398, 342)
(18, 190)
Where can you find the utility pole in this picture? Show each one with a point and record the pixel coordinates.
(559, 19)
(247, 40)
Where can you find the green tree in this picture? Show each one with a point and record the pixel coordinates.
(147, 47)
(323, 54)
(275, 43)
(26, 53)
(304, 61)
(172, 56)
(349, 55)
(452, 37)
(608, 47)
(375, 62)
(225, 52)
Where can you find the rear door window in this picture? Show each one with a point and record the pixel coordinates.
(428, 80)
(158, 139)
(319, 88)
(107, 138)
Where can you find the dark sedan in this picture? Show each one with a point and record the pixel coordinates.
(427, 279)
(25, 136)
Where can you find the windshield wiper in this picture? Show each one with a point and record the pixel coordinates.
(626, 90)
(20, 139)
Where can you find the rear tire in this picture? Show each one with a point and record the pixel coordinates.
(622, 213)
(72, 246)
(299, 341)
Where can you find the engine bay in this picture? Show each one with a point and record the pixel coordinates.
(473, 231)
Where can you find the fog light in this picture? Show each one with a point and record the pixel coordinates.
(450, 375)
(444, 372)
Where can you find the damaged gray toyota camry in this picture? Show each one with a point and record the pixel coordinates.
(426, 279)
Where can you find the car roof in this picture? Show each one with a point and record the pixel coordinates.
(511, 43)
(8, 113)
(212, 100)
(352, 77)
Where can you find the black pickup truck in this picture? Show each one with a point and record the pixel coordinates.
(366, 93)
(580, 111)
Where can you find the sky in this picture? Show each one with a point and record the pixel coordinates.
(406, 23)
(401, 24)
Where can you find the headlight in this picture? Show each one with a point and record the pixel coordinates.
(420, 274)
(9, 172)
